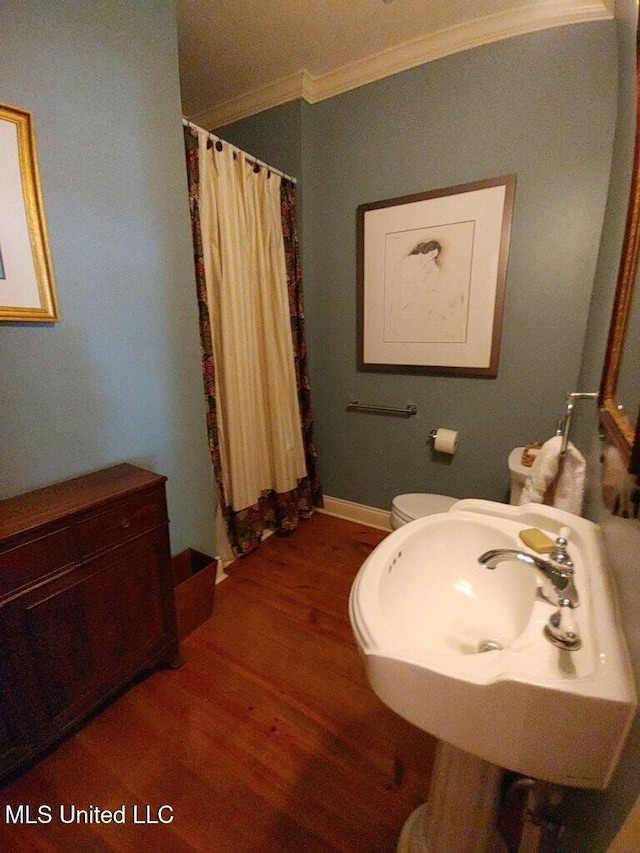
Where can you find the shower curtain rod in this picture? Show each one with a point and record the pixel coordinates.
(234, 148)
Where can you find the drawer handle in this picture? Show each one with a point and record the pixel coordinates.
(125, 523)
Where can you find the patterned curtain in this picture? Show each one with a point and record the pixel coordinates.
(279, 511)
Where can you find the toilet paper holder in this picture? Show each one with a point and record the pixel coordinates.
(433, 434)
(444, 440)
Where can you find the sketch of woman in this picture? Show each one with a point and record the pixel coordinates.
(420, 272)
(425, 307)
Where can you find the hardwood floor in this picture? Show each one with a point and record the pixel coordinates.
(267, 740)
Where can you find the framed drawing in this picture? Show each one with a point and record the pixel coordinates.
(431, 271)
(27, 289)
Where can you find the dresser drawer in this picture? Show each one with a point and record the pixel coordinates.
(119, 522)
(23, 562)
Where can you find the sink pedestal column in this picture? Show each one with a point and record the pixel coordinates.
(461, 810)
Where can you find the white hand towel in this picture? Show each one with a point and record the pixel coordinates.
(544, 486)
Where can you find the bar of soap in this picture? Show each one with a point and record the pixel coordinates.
(537, 540)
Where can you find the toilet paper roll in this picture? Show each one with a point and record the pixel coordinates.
(445, 441)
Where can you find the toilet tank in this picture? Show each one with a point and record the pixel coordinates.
(519, 474)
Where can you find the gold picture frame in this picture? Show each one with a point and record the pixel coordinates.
(27, 288)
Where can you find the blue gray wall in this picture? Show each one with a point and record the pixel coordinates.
(118, 378)
(541, 106)
(276, 135)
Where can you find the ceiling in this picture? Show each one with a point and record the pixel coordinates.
(237, 59)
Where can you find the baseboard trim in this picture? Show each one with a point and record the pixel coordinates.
(369, 515)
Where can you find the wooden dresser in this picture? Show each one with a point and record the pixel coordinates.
(86, 602)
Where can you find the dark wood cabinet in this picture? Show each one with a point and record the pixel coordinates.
(86, 602)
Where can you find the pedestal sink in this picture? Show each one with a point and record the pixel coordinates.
(459, 650)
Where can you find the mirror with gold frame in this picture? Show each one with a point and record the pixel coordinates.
(623, 432)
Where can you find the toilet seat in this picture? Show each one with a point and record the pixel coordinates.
(406, 508)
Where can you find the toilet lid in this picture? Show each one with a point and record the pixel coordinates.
(418, 505)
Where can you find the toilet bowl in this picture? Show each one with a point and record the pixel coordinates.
(406, 508)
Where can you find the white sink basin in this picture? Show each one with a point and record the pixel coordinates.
(424, 610)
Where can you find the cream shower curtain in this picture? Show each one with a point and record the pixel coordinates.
(257, 436)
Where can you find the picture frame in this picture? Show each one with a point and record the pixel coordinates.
(27, 287)
(431, 275)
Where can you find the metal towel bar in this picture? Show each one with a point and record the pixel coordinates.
(566, 423)
(355, 406)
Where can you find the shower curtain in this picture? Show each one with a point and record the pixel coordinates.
(249, 290)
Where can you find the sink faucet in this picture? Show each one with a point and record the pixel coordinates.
(560, 574)
(561, 629)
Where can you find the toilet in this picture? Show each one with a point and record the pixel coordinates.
(406, 508)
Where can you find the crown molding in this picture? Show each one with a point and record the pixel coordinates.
(291, 88)
(410, 54)
(454, 40)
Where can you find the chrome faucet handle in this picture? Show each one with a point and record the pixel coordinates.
(561, 630)
(560, 555)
